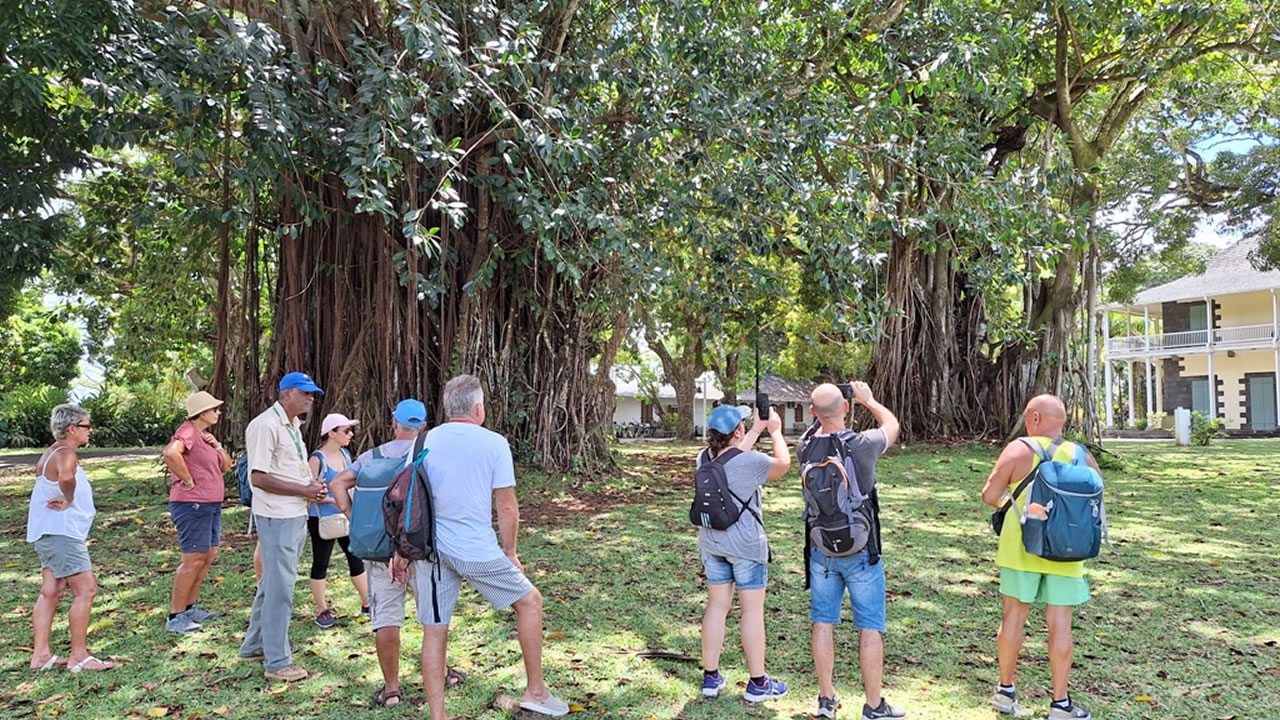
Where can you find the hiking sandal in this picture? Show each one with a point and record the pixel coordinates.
(382, 696)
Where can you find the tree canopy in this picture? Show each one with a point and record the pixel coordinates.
(385, 194)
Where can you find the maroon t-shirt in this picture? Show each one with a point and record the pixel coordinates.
(205, 467)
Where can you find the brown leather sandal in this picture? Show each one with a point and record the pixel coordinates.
(382, 696)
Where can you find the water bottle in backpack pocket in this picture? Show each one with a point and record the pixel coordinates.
(1074, 522)
(836, 514)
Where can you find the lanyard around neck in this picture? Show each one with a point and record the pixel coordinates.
(293, 434)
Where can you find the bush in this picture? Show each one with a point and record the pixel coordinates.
(24, 415)
(124, 418)
(1140, 424)
(1204, 430)
(1106, 459)
(120, 417)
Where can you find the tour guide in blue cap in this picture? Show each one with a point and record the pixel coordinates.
(282, 490)
(300, 381)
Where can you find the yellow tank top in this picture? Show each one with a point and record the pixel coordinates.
(1010, 552)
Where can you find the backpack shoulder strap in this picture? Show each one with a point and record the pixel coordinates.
(727, 455)
(1038, 449)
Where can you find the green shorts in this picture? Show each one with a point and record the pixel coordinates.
(1033, 587)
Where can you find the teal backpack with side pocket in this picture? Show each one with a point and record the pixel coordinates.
(368, 533)
(1075, 522)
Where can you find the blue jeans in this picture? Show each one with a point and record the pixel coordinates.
(830, 577)
(722, 569)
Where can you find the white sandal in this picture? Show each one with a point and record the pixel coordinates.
(48, 664)
(80, 666)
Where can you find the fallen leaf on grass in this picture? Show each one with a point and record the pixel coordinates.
(576, 708)
(1144, 698)
(158, 711)
(220, 710)
(555, 636)
(11, 565)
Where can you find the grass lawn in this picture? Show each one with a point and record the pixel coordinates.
(1184, 623)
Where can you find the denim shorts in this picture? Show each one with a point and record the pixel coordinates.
(199, 525)
(722, 569)
(830, 577)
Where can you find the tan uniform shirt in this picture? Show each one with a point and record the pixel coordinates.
(275, 447)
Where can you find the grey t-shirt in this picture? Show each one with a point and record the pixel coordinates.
(391, 449)
(746, 538)
(864, 448)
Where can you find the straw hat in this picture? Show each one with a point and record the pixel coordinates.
(199, 402)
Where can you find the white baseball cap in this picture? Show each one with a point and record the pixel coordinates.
(335, 420)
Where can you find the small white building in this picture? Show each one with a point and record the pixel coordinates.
(630, 405)
(1210, 343)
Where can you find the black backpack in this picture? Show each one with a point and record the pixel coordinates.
(837, 514)
(714, 504)
(814, 450)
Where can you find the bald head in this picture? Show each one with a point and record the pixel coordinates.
(827, 402)
(1045, 415)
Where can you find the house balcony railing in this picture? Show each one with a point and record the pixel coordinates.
(1227, 338)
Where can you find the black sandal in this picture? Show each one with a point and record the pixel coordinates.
(382, 695)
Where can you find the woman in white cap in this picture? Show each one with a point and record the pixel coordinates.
(196, 462)
(326, 523)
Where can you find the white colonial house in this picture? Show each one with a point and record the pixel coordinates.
(1208, 343)
(630, 405)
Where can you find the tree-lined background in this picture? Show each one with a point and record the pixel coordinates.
(932, 195)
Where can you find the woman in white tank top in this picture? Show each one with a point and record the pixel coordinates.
(58, 521)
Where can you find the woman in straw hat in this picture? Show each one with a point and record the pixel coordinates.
(196, 462)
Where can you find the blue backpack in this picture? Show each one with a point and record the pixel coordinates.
(1071, 493)
(242, 476)
(368, 533)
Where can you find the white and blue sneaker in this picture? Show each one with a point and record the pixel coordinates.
(711, 684)
(770, 689)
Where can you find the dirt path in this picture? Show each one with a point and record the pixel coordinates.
(29, 460)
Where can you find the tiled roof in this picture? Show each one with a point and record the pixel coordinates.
(1227, 273)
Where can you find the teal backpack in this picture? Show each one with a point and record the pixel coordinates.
(369, 538)
(1071, 492)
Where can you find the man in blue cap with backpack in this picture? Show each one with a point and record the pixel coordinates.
(842, 538)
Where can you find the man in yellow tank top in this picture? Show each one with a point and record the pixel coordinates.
(1025, 578)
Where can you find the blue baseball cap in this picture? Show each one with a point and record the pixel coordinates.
(726, 418)
(301, 381)
(410, 413)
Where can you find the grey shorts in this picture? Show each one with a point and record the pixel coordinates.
(435, 587)
(64, 556)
